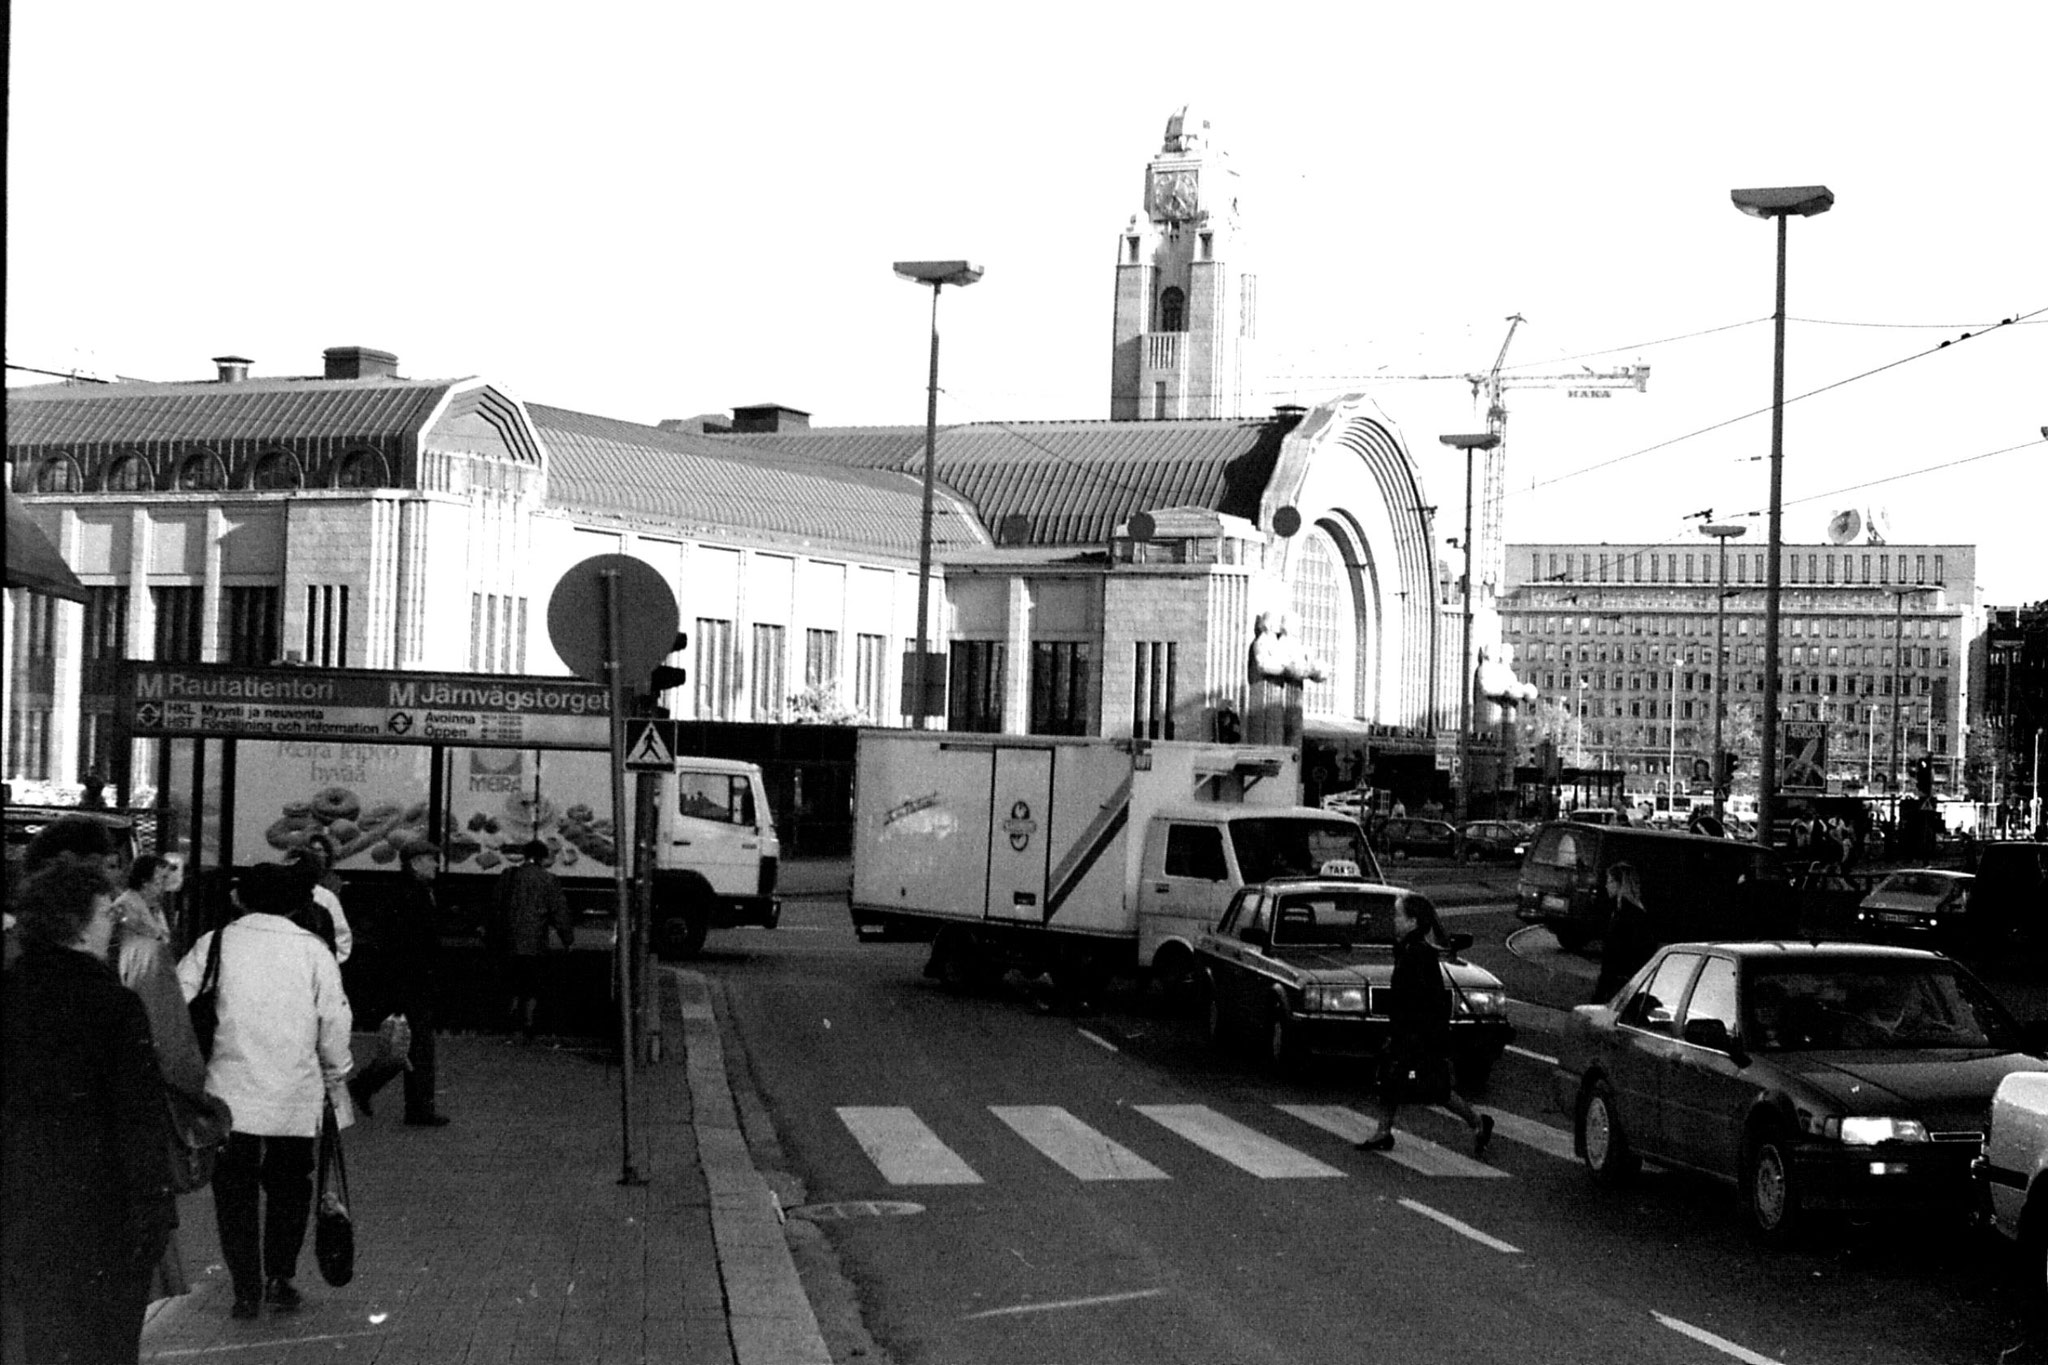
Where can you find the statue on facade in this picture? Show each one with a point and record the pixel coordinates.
(1277, 665)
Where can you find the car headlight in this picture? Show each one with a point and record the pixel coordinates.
(1866, 1131)
(1337, 999)
(1485, 1002)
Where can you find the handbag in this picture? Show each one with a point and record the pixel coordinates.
(199, 1125)
(334, 1231)
(1410, 1075)
(205, 1006)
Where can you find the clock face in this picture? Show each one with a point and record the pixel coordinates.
(1174, 195)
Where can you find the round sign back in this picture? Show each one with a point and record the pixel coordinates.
(647, 613)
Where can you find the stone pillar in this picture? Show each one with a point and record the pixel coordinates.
(1017, 672)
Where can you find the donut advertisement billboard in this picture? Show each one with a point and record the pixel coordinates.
(498, 800)
(366, 800)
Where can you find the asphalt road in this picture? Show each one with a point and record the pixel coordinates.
(993, 1181)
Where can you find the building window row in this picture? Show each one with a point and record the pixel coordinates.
(1651, 566)
(205, 471)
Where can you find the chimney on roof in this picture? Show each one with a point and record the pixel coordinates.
(769, 417)
(233, 368)
(1289, 415)
(359, 362)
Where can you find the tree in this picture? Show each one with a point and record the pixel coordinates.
(819, 704)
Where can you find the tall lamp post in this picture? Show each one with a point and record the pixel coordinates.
(937, 274)
(1722, 533)
(1467, 442)
(1781, 204)
(1899, 596)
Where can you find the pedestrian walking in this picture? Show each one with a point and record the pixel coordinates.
(1418, 1055)
(85, 1160)
(281, 1042)
(141, 956)
(529, 904)
(1630, 938)
(404, 978)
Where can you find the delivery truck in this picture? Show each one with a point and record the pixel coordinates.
(716, 853)
(1081, 857)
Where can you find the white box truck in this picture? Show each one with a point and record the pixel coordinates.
(1084, 857)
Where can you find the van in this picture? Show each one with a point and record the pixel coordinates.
(1694, 886)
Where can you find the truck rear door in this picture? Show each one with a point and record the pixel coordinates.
(1019, 857)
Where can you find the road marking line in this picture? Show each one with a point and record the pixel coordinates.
(1721, 1344)
(274, 1343)
(1417, 1154)
(1463, 1229)
(1542, 1057)
(903, 1149)
(1542, 1136)
(1065, 1303)
(1073, 1145)
(1097, 1039)
(1245, 1148)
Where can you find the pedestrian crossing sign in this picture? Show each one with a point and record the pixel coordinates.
(650, 746)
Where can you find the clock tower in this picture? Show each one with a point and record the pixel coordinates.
(1186, 310)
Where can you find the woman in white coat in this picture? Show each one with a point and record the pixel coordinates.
(281, 1042)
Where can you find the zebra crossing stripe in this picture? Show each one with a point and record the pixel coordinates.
(1071, 1144)
(1418, 1154)
(1542, 1136)
(903, 1149)
(1245, 1148)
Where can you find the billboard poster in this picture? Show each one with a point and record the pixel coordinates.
(368, 799)
(1804, 766)
(500, 799)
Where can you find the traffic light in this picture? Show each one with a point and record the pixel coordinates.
(665, 676)
(1729, 763)
(1923, 776)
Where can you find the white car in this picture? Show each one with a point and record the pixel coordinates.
(2014, 1172)
(1351, 803)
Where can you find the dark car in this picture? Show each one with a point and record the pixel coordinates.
(1408, 836)
(1305, 965)
(1492, 840)
(1694, 886)
(1918, 903)
(1816, 1076)
(2009, 899)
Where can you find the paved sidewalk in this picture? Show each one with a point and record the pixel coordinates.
(506, 1236)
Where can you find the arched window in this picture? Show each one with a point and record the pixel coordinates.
(277, 469)
(1322, 618)
(361, 469)
(201, 473)
(1173, 310)
(58, 474)
(129, 474)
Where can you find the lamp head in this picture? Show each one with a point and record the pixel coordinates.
(1476, 440)
(1803, 200)
(939, 272)
(1721, 531)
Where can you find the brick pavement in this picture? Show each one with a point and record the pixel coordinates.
(505, 1237)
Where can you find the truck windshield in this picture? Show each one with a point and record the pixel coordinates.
(1280, 846)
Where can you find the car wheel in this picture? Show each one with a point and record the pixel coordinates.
(959, 964)
(1602, 1141)
(1770, 1191)
(774, 915)
(1282, 1049)
(680, 933)
(1215, 1019)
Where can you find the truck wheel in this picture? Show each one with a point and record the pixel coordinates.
(1174, 970)
(957, 962)
(680, 933)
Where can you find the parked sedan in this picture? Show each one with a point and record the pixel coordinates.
(1816, 1076)
(1406, 836)
(1502, 840)
(1305, 965)
(1920, 903)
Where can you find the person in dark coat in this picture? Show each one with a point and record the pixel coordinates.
(1630, 938)
(402, 976)
(88, 1206)
(1420, 1015)
(528, 906)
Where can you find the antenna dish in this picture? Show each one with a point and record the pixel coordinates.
(1845, 526)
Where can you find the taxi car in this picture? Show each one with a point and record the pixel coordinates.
(1917, 902)
(1816, 1076)
(1305, 965)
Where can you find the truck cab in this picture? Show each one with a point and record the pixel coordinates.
(1195, 857)
(717, 855)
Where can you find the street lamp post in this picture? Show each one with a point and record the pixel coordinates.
(1781, 204)
(1468, 442)
(937, 274)
(1722, 534)
(1899, 596)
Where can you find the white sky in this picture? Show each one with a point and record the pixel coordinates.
(654, 210)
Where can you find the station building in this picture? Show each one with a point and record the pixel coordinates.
(1106, 577)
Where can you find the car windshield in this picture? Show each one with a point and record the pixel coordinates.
(1870, 1005)
(1270, 847)
(1333, 919)
(1917, 884)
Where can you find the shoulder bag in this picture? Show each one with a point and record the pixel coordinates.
(199, 1130)
(205, 1006)
(334, 1232)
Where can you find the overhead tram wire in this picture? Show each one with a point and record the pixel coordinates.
(1810, 393)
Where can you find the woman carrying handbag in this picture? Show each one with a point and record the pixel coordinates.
(1416, 1067)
